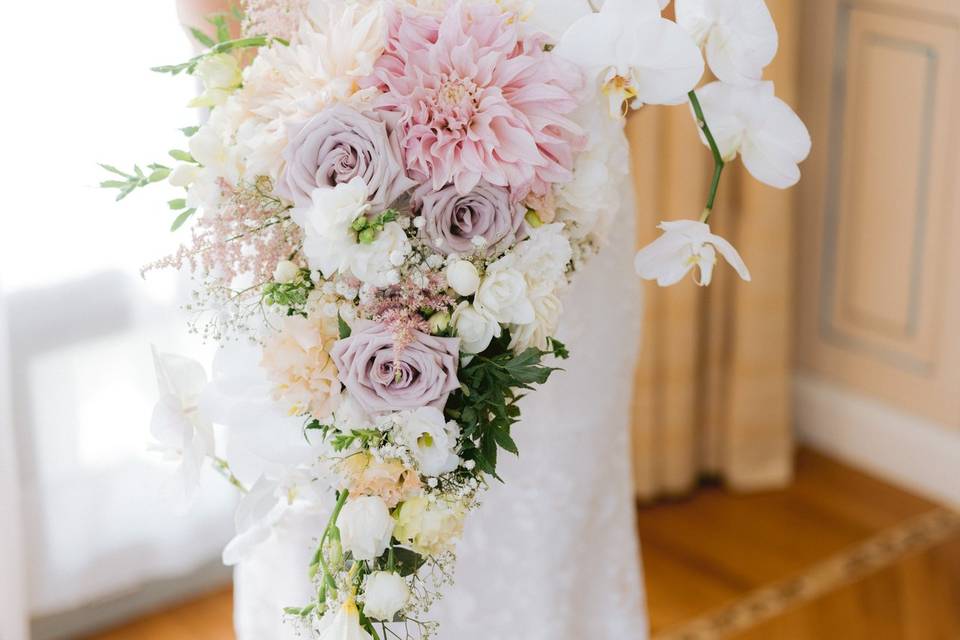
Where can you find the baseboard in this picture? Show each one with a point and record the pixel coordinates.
(912, 452)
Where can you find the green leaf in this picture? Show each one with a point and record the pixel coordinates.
(223, 31)
(180, 219)
(177, 204)
(343, 327)
(201, 37)
(158, 175)
(113, 169)
(406, 561)
(505, 441)
(113, 184)
(190, 131)
(179, 154)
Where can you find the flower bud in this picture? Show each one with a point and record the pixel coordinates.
(285, 272)
(184, 174)
(463, 277)
(439, 322)
(219, 71)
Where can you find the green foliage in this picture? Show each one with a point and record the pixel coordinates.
(293, 295)
(181, 155)
(367, 229)
(182, 218)
(343, 327)
(190, 131)
(406, 562)
(491, 385)
(138, 179)
(221, 47)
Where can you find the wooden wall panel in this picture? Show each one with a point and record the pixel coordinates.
(879, 202)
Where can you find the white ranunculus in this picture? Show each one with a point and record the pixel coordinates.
(286, 271)
(686, 244)
(181, 430)
(342, 624)
(463, 277)
(365, 527)
(739, 36)
(384, 595)
(329, 240)
(431, 439)
(548, 308)
(638, 56)
(475, 328)
(503, 294)
(763, 129)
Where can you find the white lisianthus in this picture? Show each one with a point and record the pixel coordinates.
(329, 240)
(463, 277)
(686, 244)
(503, 294)
(286, 271)
(384, 595)
(740, 38)
(431, 527)
(543, 257)
(182, 432)
(184, 174)
(365, 527)
(221, 75)
(638, 56)
(342, 624)
(547, 308)
(762, 128)
(431, 439)
(475, 328)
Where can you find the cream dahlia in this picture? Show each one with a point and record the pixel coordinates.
(478, 99)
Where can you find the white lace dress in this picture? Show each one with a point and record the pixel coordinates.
(553, 553)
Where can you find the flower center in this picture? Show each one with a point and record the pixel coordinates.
(455, 102)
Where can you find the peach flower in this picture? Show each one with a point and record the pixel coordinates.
(298, 363)
(387, 479)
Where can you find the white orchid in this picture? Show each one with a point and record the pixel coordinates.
(686, 244)
(738, 36)
(638, 56)
(342, 624)
(763, 129)
(182, 432)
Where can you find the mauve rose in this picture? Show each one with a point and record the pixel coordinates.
(455, 219)
(337, 145)
(380, 379)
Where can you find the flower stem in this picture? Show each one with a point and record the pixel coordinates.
(223, 468)
(331, 524)
(718, 163)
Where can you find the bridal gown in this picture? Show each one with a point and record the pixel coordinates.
(552, 554)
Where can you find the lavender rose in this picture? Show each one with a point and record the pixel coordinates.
(380, 379)
(337, 145)
(452, 221)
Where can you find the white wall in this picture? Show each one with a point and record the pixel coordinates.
(914, 453)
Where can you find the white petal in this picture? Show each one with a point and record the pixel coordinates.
(721, 106)
(665, 62)
(707, 261)
(775, 143)
(182, 377)
(731, 255)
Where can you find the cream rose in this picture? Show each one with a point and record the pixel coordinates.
(365, 527)
(384, 594)
(475, 328)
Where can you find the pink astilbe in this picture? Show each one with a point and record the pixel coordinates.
(245, 238)
(401, 307)
(478, 100)
(278, 18)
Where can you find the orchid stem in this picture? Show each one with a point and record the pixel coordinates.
(718, 163)
(223, 468)
(327, 576)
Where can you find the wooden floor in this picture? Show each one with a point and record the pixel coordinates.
(839, 555)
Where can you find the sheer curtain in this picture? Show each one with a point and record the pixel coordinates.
(97, 518)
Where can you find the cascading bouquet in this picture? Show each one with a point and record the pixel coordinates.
(387, 199)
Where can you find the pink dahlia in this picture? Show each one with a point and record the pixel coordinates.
(478, 100)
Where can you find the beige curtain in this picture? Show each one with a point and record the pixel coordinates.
(713, 381)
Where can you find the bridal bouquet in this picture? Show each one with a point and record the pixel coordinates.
(386, 202)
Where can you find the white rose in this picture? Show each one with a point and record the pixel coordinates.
(365, 527)
(431, 439)
(475, 328)
(463, 277)
(503, 294)
(286, 271)
(548, 308)
(384, 595)
(184, 174)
